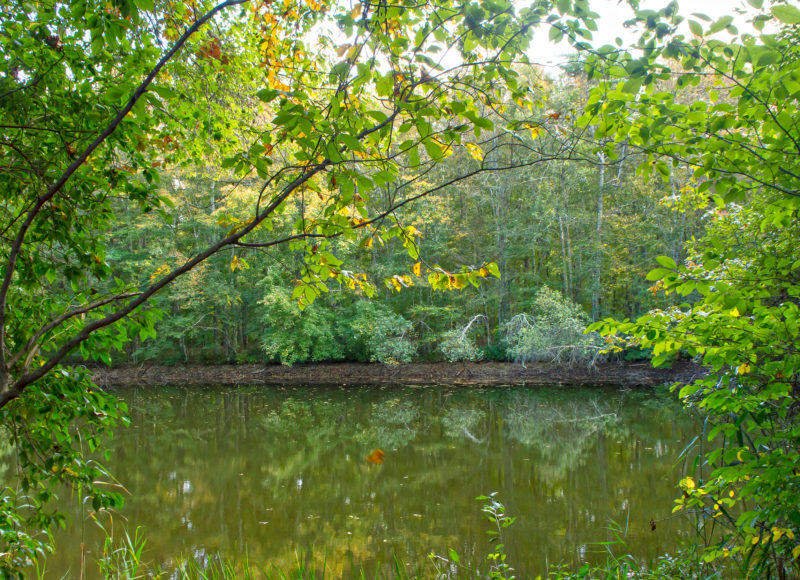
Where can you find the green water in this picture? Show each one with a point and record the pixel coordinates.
(282, 471)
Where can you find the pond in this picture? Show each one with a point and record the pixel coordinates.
(288, 473)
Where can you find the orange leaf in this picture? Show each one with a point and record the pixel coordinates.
(376, 456)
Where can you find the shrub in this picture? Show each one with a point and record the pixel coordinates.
(380, 334)
(291, 335)
(456, 346)
(553, 333)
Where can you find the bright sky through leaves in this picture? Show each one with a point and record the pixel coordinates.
(613, 13)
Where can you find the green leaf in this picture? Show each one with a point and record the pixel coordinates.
(696, 28)
(632, 85)
(786, 13)
(667, 262)
(657, 274)
(379, 116)
(453, 555)
(164, 92)
(720, 24)
(267, 95)
(413, 156)
(433, 150)
(116, 93)
(493, 269)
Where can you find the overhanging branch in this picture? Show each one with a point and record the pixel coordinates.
(79, 161)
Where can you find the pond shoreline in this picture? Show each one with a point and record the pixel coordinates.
(626, 374)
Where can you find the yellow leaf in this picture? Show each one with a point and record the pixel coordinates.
(368, 243)
(735, 312)
(535, 132)
(417, 268)
(743, 369)
(688, 483)
(475, 151)
(796, 552)
(447, 150)
(161, 271)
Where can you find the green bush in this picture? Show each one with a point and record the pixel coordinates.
(554, 332)
(745, 329)
(291, 335)
(497, 351)
(456, 346)
(378, 334)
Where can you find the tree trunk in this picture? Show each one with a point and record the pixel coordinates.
(598, 240)
(564, 255)
(568, 287)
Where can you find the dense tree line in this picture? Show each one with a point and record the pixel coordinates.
(583, 226)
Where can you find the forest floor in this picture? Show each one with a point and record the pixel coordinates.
(627, 374)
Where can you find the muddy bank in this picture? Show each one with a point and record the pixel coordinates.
(491, 373)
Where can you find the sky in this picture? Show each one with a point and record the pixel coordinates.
(614, 12)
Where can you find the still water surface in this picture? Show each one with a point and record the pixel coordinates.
(282, 472)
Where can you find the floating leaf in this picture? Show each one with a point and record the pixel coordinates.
(375, 456)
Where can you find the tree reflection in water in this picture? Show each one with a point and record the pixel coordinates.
(282, 471)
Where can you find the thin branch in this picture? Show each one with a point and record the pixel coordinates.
(63, 318)
(47, 129)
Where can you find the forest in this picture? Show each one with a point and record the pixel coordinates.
(566, 242)
(298, 181)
